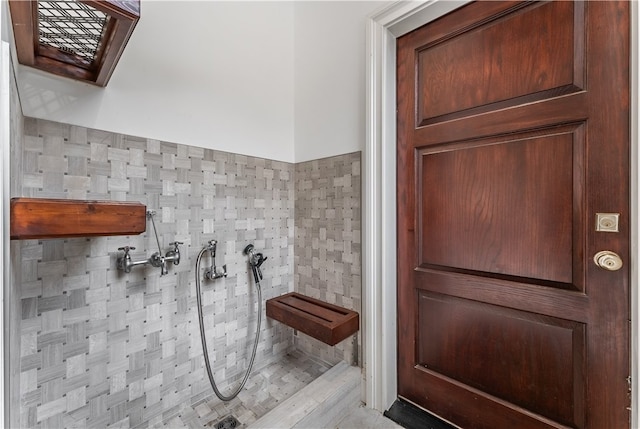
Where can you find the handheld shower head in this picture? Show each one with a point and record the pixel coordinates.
(255, 260)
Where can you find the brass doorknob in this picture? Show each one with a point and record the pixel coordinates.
(608, 260)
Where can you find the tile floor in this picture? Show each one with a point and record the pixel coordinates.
(366, 418)
(266, 389)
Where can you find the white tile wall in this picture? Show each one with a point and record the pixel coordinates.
(95, 347)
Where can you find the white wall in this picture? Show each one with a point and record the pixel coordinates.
(210, 74)
(277, 79)
(330, 77)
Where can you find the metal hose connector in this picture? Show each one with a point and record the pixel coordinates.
(204, 340)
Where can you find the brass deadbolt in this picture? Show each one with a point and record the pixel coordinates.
(608, 260)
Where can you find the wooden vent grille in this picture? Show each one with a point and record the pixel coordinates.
(80, 39)
(72, 27)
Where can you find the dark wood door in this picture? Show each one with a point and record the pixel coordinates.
(513, 134)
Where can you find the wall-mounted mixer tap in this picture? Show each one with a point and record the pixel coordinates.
(125, 263)
(214, 272)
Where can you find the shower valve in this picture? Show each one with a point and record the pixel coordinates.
(214, 272)
(159, 261)
(213, 244)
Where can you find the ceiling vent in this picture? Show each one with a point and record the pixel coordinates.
(81, 39)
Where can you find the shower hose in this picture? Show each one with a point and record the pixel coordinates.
(255, 260)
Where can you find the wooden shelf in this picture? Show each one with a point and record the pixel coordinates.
(39, 218)
(326, 322)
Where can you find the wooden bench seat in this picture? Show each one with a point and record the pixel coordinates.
(326, 322)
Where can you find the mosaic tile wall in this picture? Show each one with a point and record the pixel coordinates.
(99, 348)
(328, 244)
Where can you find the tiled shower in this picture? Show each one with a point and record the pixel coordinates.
(91, 346)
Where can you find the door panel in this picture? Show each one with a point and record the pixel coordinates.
(513, 132)
(542, 371)
(495, 62)
(501, 207)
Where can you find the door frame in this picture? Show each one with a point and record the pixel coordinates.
(379, 190)
(5, 180)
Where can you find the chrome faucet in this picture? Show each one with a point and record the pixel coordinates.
(174, 255)
(214, 272)
(125, 263)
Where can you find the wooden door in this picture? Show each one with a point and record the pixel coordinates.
(513, 133)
